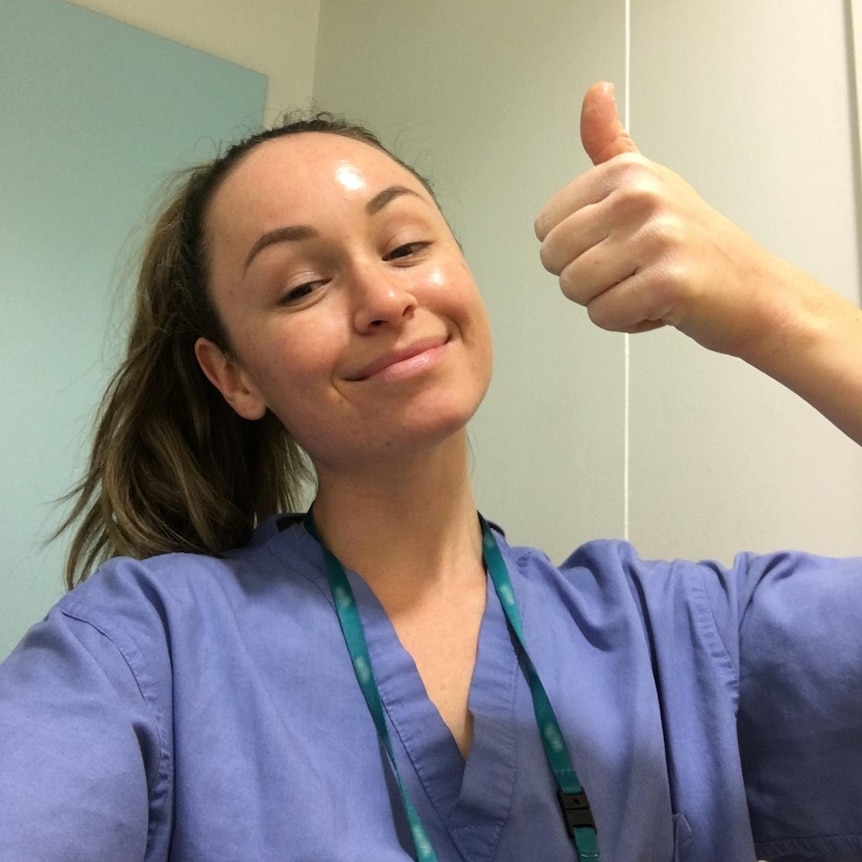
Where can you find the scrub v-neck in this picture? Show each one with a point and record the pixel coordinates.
(471, 798)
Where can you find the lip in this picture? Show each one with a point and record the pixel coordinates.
(413, 357)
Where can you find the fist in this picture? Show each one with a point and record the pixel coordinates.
(634, 243)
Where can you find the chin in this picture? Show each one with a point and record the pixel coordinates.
(437, 429)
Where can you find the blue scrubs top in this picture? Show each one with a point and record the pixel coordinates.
(195, 709)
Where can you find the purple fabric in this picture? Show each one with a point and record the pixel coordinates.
(203, 710)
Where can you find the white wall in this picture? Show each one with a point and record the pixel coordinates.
(62, 302)
(749, 99)
(275, 37)
(484, 97)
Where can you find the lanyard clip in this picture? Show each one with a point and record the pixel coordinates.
(576, 810)
(579, 823)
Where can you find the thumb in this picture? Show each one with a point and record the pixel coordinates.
(602, 132)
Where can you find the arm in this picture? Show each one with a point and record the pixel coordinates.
(637, 246)
(74, 738)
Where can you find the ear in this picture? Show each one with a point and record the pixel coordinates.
(230, 379)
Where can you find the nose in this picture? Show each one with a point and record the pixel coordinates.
(381, 297)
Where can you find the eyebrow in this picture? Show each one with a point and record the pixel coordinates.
(386, 196)
(298, 233)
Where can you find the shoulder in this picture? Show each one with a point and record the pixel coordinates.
(154, 613)
(606, 589)
(607, 571)
(132, 598)
(137, 625)
(700, 604)
(752, 614)
(777, 583)
(183, 583)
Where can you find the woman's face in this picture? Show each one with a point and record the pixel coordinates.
(349, 308)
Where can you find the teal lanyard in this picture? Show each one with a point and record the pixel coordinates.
(572, 797)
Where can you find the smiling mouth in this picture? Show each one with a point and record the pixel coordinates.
(402, 363)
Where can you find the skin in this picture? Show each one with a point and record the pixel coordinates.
(351, 314)
(310, 318)
(315, 325)
(636, 246)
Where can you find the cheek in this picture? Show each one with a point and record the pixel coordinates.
(436, 279)
(293, 366)
(469, 309)
(457, 298)
(452, 289)
(479, 334)
(485, 358)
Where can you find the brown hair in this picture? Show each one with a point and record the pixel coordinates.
(172, 466)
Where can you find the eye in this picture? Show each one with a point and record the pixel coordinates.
(299, 292)
(409, 249)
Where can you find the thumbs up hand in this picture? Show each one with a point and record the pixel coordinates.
(602, 132)
(636, 245)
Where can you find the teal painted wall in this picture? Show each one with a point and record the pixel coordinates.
(94, 114)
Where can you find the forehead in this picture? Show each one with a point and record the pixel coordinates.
(299, 174)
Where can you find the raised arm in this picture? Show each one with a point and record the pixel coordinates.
(639, 248)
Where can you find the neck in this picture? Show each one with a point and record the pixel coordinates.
(404, 525)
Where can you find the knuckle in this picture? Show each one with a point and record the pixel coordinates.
(540, 226)
(663, 238)
(602, 314)
(635, 187)
(660, 288)
(552, 252)
(570, 285)
(642, 198)
(629, 167)
(548, 259)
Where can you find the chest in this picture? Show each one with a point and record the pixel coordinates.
(283, 728)
(441, 635)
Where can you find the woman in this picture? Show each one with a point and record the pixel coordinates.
(385, 678)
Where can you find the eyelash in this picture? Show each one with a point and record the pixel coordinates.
(409, 249)
(298, 293)
(406, 250)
